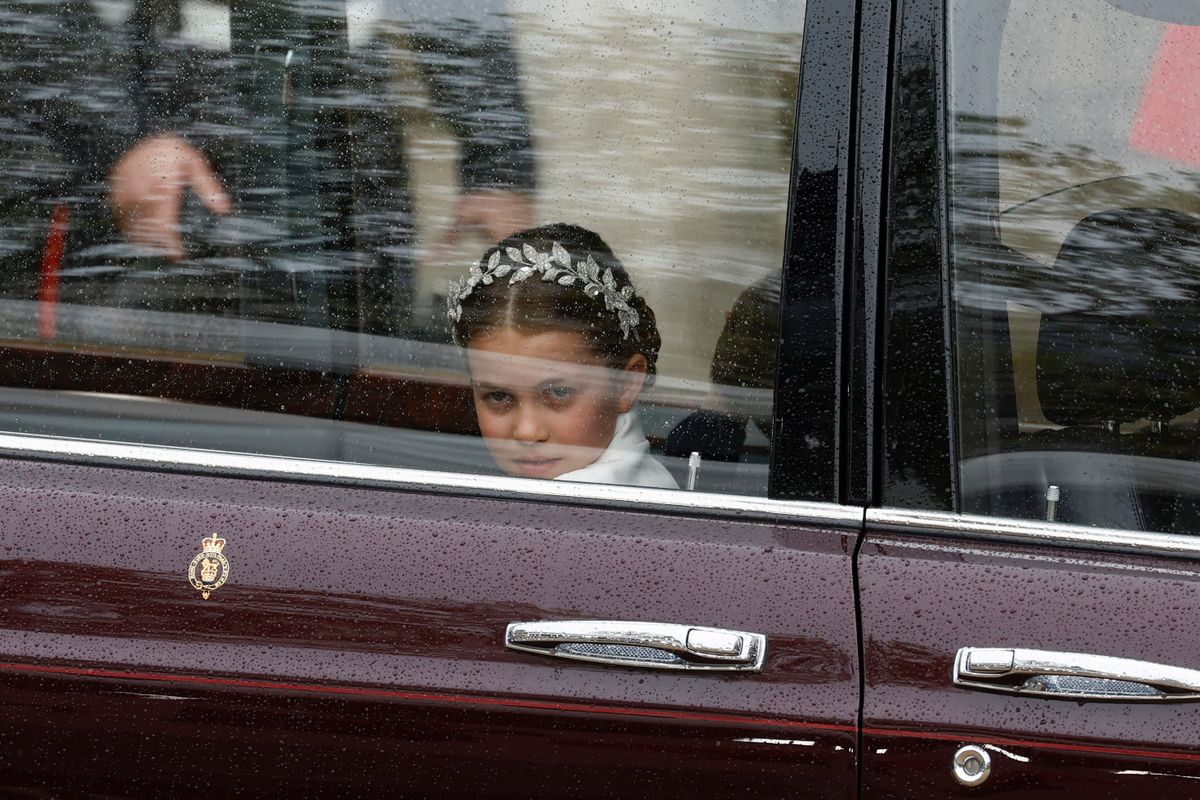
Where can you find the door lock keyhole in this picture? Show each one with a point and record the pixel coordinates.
(972, 765)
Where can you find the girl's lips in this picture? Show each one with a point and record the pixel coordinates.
(535, 467)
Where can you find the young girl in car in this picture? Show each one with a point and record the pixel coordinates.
(559, 346)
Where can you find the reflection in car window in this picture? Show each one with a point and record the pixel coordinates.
(1076, 252)
(232, 226)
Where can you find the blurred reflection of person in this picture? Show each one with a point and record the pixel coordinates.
(287, 129)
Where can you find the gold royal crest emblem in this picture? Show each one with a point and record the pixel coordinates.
(209, 569)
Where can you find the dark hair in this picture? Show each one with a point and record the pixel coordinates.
(536, 306)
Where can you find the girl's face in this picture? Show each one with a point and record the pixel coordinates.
(546, 403)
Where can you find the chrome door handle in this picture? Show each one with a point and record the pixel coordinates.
(1072, 676)
(656, 645)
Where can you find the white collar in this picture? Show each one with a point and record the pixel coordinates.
(626, 461)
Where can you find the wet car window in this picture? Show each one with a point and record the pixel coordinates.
(1076, 260)
(249, 227)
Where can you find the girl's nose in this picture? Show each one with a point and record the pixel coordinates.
(529, 428)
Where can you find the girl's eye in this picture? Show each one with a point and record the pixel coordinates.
(559, 395)
(497, 397)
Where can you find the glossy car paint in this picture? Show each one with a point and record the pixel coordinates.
(915, 418)
(357, 647)
(861, 399)
(923, 598)
(807, 437)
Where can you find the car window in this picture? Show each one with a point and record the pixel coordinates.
(1075, 254)
(252, 227)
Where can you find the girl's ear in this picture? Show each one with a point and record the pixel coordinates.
(631, 380)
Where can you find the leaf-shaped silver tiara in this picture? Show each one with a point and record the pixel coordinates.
(555, 266)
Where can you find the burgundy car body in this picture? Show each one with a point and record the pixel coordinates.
(359, 644)
(990, 594)
(358, 647)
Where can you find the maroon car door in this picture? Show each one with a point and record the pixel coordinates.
(1064, 626)
(253, 540)
(358, 645)
(1028, 579)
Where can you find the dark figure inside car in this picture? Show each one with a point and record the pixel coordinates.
(740, 362)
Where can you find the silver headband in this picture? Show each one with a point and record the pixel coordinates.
(554, 266)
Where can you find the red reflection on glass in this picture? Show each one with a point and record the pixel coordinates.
(1167, 120)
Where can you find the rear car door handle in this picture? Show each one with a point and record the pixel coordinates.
(656, 645)
(1072, 676)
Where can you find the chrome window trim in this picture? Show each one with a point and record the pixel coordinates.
(1023, 531)
(224, 464)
